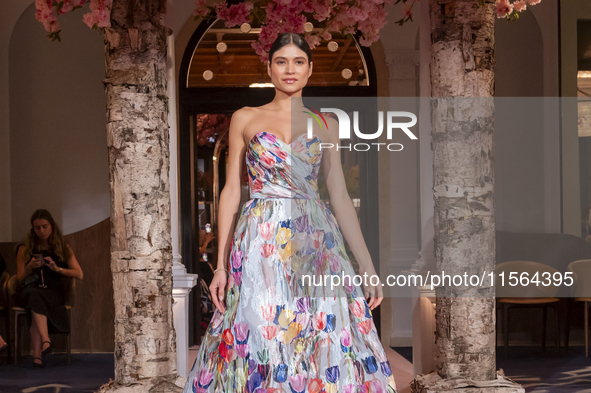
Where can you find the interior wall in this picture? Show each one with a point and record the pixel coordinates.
(11, 11)
(58, 146)
(524, 167)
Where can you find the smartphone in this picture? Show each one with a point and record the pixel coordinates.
(207, 228)
(39, 257)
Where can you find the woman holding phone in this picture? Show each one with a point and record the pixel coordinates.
(42, 260)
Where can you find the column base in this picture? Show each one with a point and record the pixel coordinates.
(182, 285)
(431, 383)
(170, 384)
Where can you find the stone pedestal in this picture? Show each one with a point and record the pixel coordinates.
(182, 285)
(433, 383)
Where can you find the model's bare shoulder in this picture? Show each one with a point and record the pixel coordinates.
(243, 115)
(240, 120)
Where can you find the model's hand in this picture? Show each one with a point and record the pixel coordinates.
(49, 262)
(374, 294)
(218, 288)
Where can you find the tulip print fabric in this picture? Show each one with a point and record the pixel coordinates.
(280, 334)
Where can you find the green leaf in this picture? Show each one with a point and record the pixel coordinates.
(95, 26)
(60, 5)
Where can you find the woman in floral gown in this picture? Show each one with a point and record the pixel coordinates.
(274, 331)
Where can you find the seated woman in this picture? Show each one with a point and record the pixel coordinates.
(42, 261)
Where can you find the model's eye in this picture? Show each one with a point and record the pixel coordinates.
(280, 61)
(300, 62)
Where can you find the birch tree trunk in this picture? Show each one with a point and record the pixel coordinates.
(138, 144)
(462, 117)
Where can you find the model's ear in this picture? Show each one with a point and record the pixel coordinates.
(269, 68)
(310, 71)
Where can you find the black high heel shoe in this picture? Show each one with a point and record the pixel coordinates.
(37, 365)
(47, 350)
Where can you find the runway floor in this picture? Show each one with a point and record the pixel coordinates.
(536, 371)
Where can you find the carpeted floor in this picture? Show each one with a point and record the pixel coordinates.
(536, 371)
(86, 374)
(541, 372)
(545, 372)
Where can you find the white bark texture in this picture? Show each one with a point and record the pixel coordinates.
(462, 116)
(138, 144)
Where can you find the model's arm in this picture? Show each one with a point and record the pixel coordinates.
(345, 211)
(229, 204)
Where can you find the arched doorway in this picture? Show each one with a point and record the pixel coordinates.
(221, 73)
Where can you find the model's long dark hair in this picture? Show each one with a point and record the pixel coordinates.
(56, 242)
(284, 39)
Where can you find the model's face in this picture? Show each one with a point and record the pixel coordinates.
(289, 69)
(42, 228)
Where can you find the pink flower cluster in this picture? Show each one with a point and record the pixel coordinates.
(235, 14)
(280, 16)
(507, 8)
(99, 15)
(46, 16)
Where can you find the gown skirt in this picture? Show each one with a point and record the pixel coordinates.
(282, 332)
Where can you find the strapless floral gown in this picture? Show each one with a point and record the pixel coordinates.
(279, 333)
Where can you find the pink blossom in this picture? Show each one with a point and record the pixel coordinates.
(533, 2)
(308, 6)
(236, 14)
(200, 8)
(407, 10)
(504, 7)
(358, 14)
(295, 23)
(100, 14)
(322, 12)
(313, 41)
(66, 7)
(520, 6)
(326, 36)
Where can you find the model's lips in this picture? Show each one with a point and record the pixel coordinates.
(290, 80)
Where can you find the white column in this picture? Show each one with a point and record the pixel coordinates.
(402, 194)
(182, 282)
(423, 320)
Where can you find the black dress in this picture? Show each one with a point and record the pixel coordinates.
(45, 296)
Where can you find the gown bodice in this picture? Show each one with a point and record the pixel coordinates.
(277, 169)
